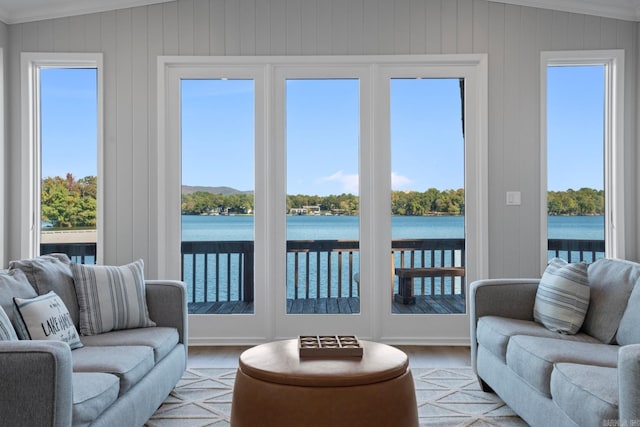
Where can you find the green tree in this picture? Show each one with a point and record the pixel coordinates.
(585, 201)
(68, 203)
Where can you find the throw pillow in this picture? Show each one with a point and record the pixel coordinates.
(45, 317)
(13, 284)
(562, 298)
(628, 331)
(51, 273)
(7, 333)
(612, 282)
(111, 297)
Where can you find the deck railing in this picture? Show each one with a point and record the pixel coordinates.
(81, 253)
(218, 270)
(223, 270)
(322, 268)
(576, 250)
(421, 254)
(329, 268)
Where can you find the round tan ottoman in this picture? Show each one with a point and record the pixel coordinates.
(275, 387)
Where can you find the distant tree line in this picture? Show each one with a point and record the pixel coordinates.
(202, 203)
(69, 202)
(585, 201)
(430, 202)
(343, 204)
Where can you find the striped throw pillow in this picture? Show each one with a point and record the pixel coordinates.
(7, 333)
(563, 296)
(111, 297)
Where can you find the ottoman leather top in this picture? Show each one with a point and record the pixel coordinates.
(279, 362)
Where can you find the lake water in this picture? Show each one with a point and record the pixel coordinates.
(205, 228)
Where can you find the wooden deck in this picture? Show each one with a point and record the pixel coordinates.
(438, 304)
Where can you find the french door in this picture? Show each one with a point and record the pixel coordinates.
(430, 124)
(324, 131)
(322, 122)
(213, 184)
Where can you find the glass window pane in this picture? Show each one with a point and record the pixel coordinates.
(217, 194)
(322, 139)
(427, 200)
(575, 162)
(69, 161)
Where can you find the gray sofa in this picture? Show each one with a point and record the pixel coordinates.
(118, 378)
(591, 378)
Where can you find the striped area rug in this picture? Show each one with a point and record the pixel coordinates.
(446, 397)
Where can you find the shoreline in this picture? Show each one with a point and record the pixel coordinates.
(90, 236)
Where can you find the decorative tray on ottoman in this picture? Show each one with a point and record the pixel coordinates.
(329, 346)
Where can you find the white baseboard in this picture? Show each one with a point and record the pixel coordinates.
(226, 341)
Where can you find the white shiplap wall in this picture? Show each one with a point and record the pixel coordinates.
(513, 36)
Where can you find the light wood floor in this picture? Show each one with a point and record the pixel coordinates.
(419, 356)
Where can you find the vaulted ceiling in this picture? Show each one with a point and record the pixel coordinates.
(17, 11)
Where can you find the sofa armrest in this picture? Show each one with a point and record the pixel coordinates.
(167, 304)
(512, 298)
(36, 383)
(629, 384)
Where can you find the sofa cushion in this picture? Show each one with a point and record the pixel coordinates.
(562, 297)
(128, 363)
(161, 339)
(92, 394)
(45, 317)
(111, 297)
(628, 331)
(611, 282)
(14, 283)
(532, 358)
(48, 273)
(493, 333)
(7, 333)
(575, 387)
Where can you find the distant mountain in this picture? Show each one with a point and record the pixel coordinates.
(188, 189)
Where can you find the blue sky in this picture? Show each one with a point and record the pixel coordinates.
(575, 99)
(427, 144)
(322, 136)
(217, 133)
(68, 122)
(323, 132)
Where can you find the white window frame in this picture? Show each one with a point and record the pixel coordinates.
(31, 64)
(614, 174)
